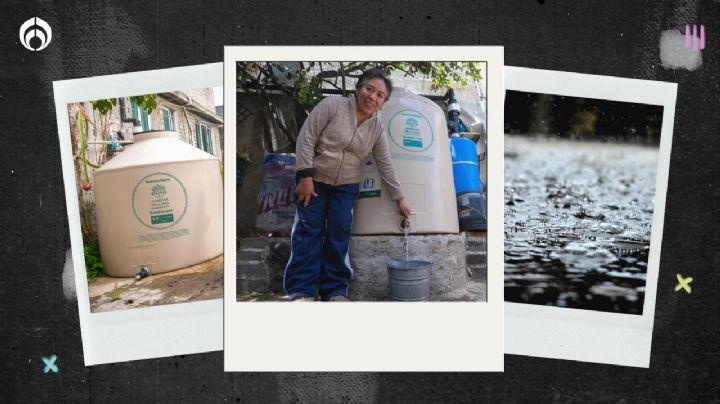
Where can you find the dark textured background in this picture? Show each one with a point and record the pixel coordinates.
(618, 38)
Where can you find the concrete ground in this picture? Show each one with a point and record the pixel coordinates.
(459, 266)
(199, 282)
(474, 292)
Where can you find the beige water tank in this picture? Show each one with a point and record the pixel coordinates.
(158, 205)
(417, 134)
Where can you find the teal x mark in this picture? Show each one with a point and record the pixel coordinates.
(50, 364)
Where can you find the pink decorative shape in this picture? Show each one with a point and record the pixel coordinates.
(695, 38)
(687, 35)
(702, 37)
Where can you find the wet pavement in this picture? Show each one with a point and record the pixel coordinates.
(577, 223)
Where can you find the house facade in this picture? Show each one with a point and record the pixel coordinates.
(190, 113)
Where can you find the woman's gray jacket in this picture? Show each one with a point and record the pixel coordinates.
(332, 149)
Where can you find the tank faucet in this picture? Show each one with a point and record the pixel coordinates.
(405, 225)
(142, 273)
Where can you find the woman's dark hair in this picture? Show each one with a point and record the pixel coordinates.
(374, 74)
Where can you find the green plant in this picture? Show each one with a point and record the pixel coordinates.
(116, 293)
(93, 263)
(305, 81)
(147, 102)
(104, 105)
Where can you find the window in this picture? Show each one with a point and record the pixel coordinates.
(140, 114)
(203, 136)
(168, 119)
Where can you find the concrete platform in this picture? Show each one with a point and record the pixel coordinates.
(458, 274)
(199, 282)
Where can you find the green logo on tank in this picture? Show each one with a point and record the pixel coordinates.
(158, 191)
(159, 201)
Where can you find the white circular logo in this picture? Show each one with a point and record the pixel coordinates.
(159, 201)
(410, 130)
(35, 34)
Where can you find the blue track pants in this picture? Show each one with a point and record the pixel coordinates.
(320, 240)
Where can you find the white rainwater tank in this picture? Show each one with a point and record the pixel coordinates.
(158, 206)
(417, 133)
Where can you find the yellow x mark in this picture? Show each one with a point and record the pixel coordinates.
(684, 283)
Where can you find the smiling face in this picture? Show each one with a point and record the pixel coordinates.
(371, 96)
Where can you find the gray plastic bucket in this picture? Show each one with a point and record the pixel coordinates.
(409, 280)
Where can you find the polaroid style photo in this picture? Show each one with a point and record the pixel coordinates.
(368, 176)
(586, 170)
(142, 159)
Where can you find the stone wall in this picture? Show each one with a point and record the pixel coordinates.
(458, 274)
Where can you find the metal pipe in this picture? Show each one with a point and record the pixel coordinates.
(453, 111)
(142, 273)
(110, 142)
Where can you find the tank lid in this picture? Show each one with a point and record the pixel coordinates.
(154, 134)
(155, 147)
(400, 90)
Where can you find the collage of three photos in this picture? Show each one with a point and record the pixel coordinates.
(437, 198)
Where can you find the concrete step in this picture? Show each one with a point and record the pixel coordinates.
(252, 269)
(246, 285)
(254, 242)
(478, 273)
(475, 244)
(475, 258)
(251, 254)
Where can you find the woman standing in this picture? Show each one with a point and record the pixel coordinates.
(331, 149)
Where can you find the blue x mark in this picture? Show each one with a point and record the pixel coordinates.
(50, 364)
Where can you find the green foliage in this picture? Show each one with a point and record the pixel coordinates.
(116, 293)
(305, 81)
(103, 106)
(244, 154)
(452, 74)
(147, 102)
(93, 263)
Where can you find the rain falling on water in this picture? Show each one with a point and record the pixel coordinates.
(578, 219)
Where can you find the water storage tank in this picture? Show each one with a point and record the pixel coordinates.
(417, 134)
(159, 206)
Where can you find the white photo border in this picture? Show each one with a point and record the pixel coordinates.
(369, 336)
(141, 333)
(589, 335)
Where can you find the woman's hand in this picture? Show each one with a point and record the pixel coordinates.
(404, 208)
(305, 189)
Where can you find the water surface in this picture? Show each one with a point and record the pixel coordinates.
(577, 223)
